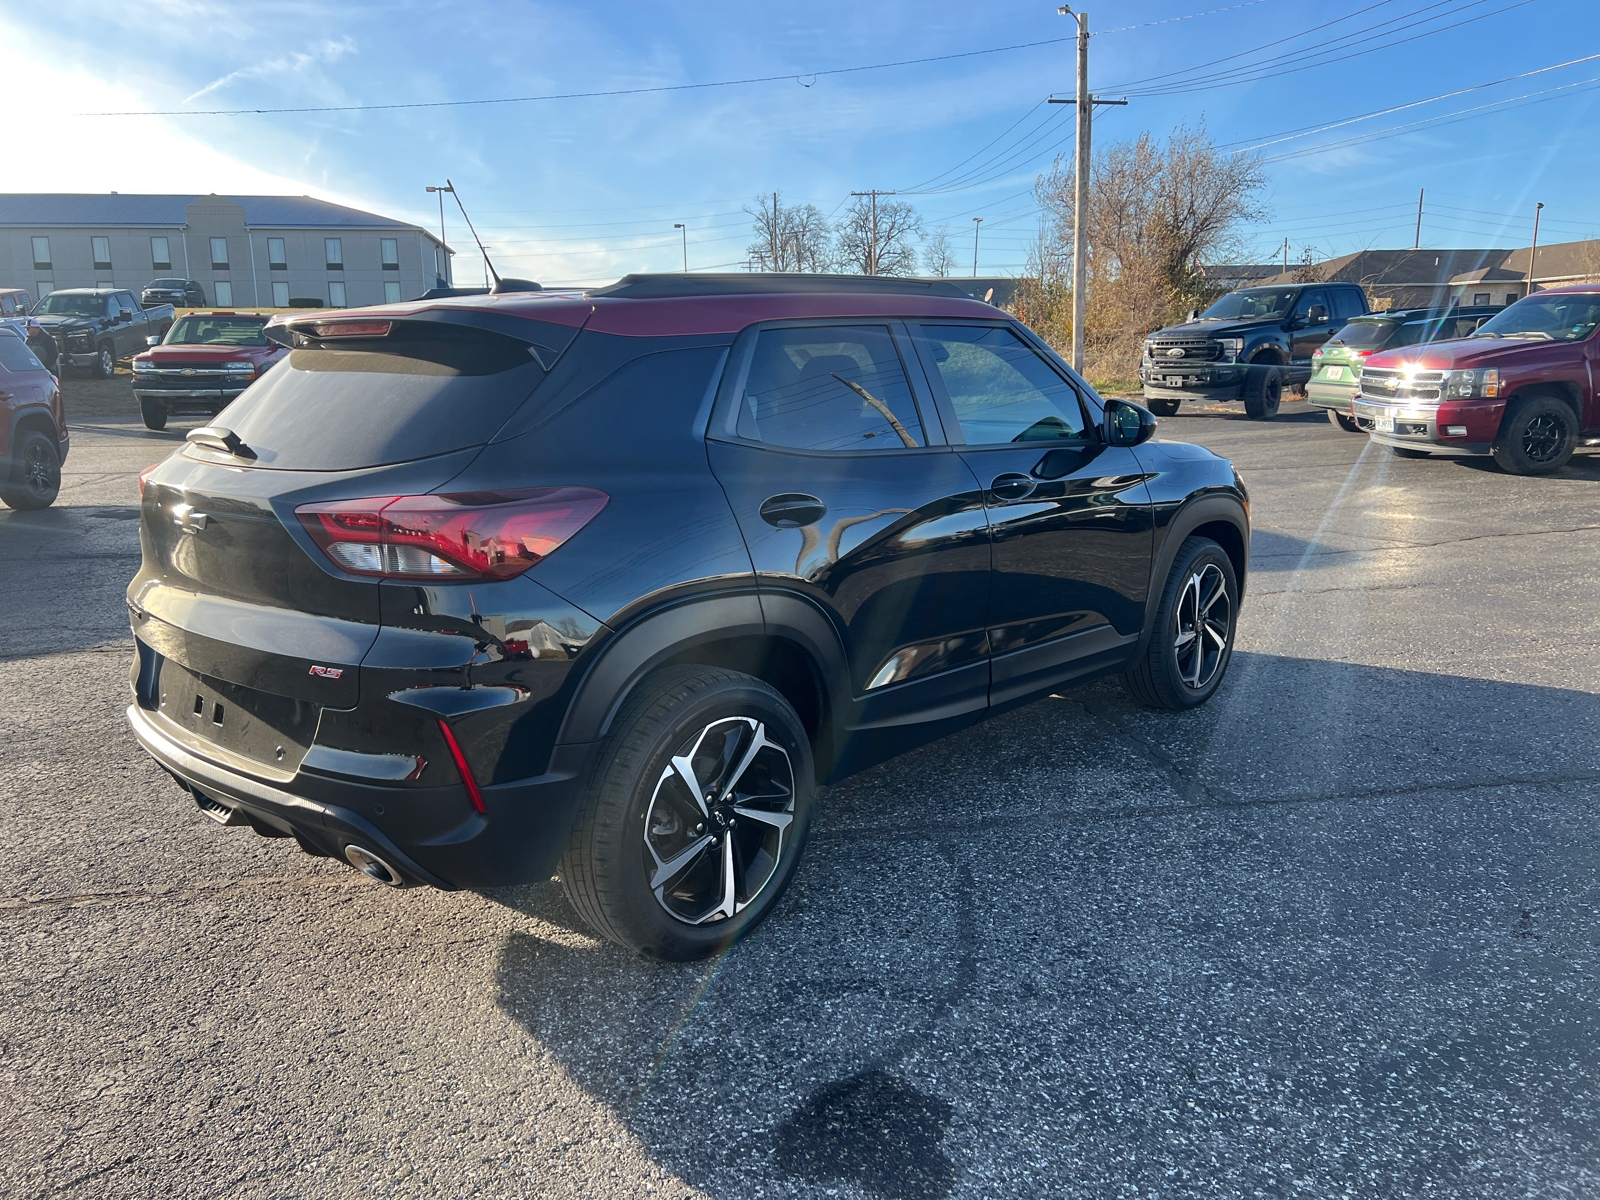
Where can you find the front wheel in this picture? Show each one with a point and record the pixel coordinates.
(154, 413)
(1263, 393)
(1536, 437)
(1162, 408)
(105, 361)
(1340, 421)
(36, 474)
(697, 815)
(1192, 642)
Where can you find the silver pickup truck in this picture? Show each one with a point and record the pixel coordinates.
(95, 327)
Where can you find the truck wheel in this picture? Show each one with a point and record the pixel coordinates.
(36, 473)
(696, 816)
(154, 413)
(1536, 437)
(1338, 419)
(105, 361)
(1192, 643)
(1263, 392)
(1162, 408)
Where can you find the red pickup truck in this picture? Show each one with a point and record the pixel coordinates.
(205, 360)
(1521, 388)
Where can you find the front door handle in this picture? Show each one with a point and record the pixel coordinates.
(1012, 486)
(792, 510)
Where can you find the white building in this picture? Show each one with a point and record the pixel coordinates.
(247, 251)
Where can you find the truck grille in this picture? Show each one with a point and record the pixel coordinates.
(1194, 350)
(1380, 383)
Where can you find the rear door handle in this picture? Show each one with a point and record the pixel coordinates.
(1012, 486)
(792, 510)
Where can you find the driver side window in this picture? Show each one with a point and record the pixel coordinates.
(1302, 310)
(1000, 389)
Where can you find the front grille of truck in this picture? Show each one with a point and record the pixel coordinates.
(1421, 387)
(1194, 350)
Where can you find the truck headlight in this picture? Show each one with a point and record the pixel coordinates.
(1149, 349)
(239, 368)
(1483, 383)
(141, 368)
(1231, 348)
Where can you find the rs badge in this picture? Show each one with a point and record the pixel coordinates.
(327, 672)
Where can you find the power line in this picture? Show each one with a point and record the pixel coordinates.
(1172, 20)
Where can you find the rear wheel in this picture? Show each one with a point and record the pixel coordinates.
(1263, 392)
(1192, 643)
(1536, 437)
(1162, 408)
(696, 817)
(1338, 419)
(154, 413)
(105, 360)
(36, 473)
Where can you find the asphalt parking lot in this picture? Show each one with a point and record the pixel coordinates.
(1334, 934)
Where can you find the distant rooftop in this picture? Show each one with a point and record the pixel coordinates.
(115, 209)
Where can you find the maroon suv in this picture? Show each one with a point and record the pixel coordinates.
(1521, 388)
(204, 362)
(33, 427)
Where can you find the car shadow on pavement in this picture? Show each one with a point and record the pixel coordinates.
(1334, 925)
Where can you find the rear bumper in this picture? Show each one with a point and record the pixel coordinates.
(1332, 395)
(519, 840)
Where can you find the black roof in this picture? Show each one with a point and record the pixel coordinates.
(643, 287)
(1429, 312)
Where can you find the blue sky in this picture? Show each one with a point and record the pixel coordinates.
(586, 189)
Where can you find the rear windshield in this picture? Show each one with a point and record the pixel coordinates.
(340, 406)
(1364, 335)
(218, 331)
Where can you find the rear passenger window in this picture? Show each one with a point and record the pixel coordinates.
(834, 388)
(1347, 303)
(1001, 390)
(15, 355)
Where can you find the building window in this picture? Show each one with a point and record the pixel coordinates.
(336, 293)
(160, 255)
(391, 254)
(224, 293)
(333, 250)
(219, 254)
(277, 260)
(391, 292)
(41, 254)
(1480, 297)
(102, 253)
(1511, 297)
(280, 294)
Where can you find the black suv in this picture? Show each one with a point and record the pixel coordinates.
(464, 590)
(184, 293)
(1249, 346)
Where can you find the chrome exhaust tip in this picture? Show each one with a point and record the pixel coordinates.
(219, 812)
(373, 867)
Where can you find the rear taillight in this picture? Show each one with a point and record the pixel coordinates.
(470, 535)
(144, 477)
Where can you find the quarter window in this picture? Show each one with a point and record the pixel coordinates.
(101, 247)
(41, 254)
(160, 254)
(391, 254)
(277, 260)
(219, 254)
(333, 249)
(999, 387)
(836, 388)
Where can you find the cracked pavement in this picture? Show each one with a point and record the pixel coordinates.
(1334, 934)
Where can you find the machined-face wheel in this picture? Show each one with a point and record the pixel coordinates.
(108, 362)
(715, 827)
(1544, 437)
(1204, 618)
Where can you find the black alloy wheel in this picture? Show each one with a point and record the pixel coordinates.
(35, 475)
(1263, 392)
(696, 821)
(1536, 437)
(1163, 408)
(105, 362)
(1340, 421)
(154, 413)
(1192, 642)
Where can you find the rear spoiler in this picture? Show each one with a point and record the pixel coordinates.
(546, 340)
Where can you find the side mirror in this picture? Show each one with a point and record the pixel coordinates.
(1318, 314)
(152, 340)
(1127, 424)
(1194, 314)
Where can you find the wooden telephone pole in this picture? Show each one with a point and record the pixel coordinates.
(872, 236)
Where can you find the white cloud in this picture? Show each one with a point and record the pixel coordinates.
(290, 64)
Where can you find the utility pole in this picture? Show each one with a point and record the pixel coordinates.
(977, 222)
(1533, 254)
(1417, 242)
(872, 236)
(772, 235)
(685, 228)
(1080, 191)
(1285, 256)
(444, 255)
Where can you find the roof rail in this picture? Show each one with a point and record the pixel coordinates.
(649, 287)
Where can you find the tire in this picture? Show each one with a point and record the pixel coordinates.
(1408, 452)
(1163, 408)
(1536, 436)
(1184, 665)
(1340, 421)
(634, 837)
(105, 360)
(36, 474)
(1263, 392)
(154, 413)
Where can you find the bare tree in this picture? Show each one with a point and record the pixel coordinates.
(1161, 212)
(939, 253)
(877, 240)
(1307, 270)
(788, 238)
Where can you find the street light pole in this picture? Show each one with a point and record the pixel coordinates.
(1533, 253)
(685, 228)
(444, 254)
(976, 223)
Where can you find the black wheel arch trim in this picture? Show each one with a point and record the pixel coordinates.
(35, 417)
(1205, 509)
